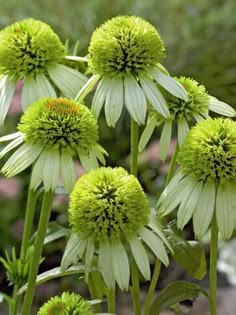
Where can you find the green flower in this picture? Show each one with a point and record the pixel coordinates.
(183, 112)
(66, 304)
(206, 179)
(110, 217)
(52, 131)
(32, 52)
(124, 56)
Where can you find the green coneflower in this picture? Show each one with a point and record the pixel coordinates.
(32, 52)
(110, 217)
(206, 180)
(124, 56)
(183, 112)
(52, 131)
(66, 304)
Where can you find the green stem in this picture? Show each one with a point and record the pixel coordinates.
(111, 301)
(93, 286)
(15, 297)
(34, 266)
(135, 290)
(213, 265)
(152, 287)
(172, 165)
(134, 148)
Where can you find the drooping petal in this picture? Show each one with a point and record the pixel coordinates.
(68, 171)
(147, 133)
(99, 153)
(140, 256)
(120, 264)
(183, 130)
(199, 117)
(68, 80)
(44, 87)
(11, 136)
(221, 107)
(100, 96)
(170, 84)
(89, 254)
(135, 99)
(155, 244)
(114, 101)
(37, 171)
(51, 169)
(154, 95)
(87, 88)
(165, 139)
(6, 93)
(28, 94)
(11, 146)
(154, 226)
(105, 265)
(204, 209)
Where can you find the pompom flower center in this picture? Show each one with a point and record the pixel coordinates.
(209, 151)
(29, 47)
(57, 309)
(124, 45)
(108, 204)
(59, 123)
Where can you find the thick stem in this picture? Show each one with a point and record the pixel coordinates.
(34, 266)
(93, 286)
(152, 287)
(15, 297)
(213, 266)
(135, 290)
(111, 301)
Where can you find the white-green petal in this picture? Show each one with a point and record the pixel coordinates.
(74, 250)
(114, 101)
(69, 81)
(140, 256)
(147, 132)
(155, 244)
(51, 169)
(87, 88)
(11, 136)
(37, 171)
(120, 264)
(68, 171)
(88, 161)
(105, 265)
(188, 205)
(100, 96)
(225, 211)
(21, 159)
(183, 130)
(165, 139)
(154, 95)
(6, 94)
(28, 94)
(199, 117)
(169, 84)
(11, 146)
(89, 254)
(221, 107)
(135, 99)
(44, 87)
(99, 152)
(203, 213)
(153, 225)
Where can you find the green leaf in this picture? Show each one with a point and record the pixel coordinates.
(7, 298)
(55, 273)
(174, 293)
(189, 255)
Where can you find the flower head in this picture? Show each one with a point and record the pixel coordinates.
(53, 131)
(205, 181)
(183, 112)
(110, 215)
(66, 304)
(31, 51)
(124, 55)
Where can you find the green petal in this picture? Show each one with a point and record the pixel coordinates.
(165, 139)
(114, 101)
(74, 250)
(170, 84)
(28, 95)
(51, 169)
(204, 209)
(221, 107)
(135, 100)
(89, 162)
(11, 146)
(6, 94)
(147, 132)
(120, 265)
(105, 265)
(44, 87)
(86, 88)
(154, 95)
(225, 211)
(37, 171)
(11, 136)
(183, 130)
(89, 254)
(155, 244)
(100, 96)
(68, 171)
(153, 225)
(188, 204)
(99, 152)
(198, 118)
(140, 256)
(69, 81)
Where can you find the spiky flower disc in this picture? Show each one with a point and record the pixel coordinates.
(110, 218)
(66, 304)
(206, 180)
